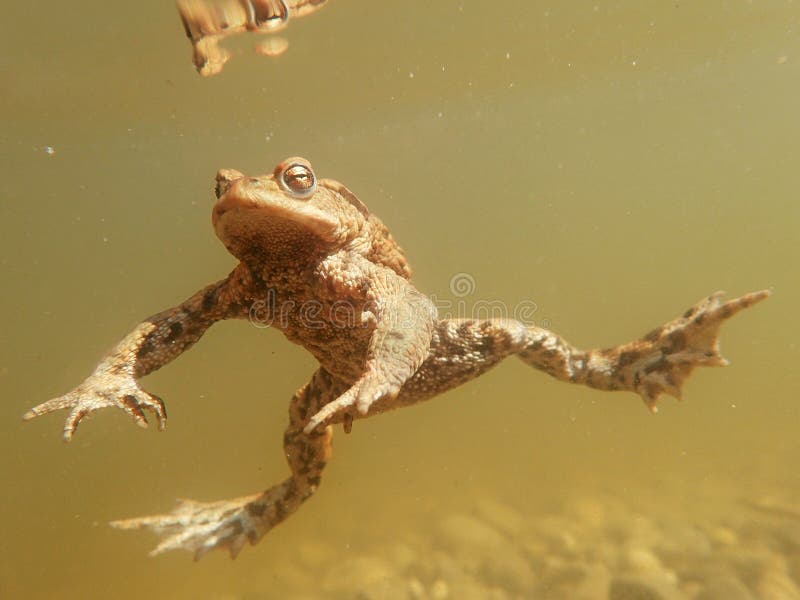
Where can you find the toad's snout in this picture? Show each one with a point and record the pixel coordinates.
(225, 178)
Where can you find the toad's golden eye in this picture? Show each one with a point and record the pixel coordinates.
(298, 179)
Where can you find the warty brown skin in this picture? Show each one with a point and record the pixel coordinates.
(316, 264)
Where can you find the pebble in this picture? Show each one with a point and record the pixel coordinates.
(559, 533)
(373, 577)
(589, 513)
(508, 570)
(440, 590)
(467, 536)
(489, 553)
(500, 516)
(416, 590)
(683, 543)
(594, 585)
(728, 588)
(637, 588)
(642, 560)
(775, 582)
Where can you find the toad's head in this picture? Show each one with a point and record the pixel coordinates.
(291, 217)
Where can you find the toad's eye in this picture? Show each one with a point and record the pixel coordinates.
(298, 179)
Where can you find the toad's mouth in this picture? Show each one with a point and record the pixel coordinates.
(254, 216)
(247, 217)
(247, 233)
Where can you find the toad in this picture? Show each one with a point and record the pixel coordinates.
(319, 266)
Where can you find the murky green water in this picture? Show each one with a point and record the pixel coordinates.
(612, 162)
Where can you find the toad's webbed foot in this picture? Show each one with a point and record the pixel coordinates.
(228, 524)
(203, 526)
(655, 364)
(109, 385)
(150, 345)
(661, 361)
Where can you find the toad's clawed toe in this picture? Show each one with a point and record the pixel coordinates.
(200, 527)
(103, 389)
(327, 412)
(662, 360)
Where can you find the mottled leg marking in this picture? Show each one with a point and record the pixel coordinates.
(337, 406)
(657, 363)
(152, 344)
(200, 527)
(113, 383)
(460, 350)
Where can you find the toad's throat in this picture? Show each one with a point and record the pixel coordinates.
(273, 234)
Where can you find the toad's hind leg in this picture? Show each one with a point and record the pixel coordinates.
(200, 526)
(657, 363)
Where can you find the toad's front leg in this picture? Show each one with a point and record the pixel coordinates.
(404, 321)
(152, 344)
(228, 524)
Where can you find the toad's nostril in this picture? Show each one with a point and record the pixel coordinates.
(225, 177)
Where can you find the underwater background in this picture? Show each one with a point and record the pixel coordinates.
(608, 163)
